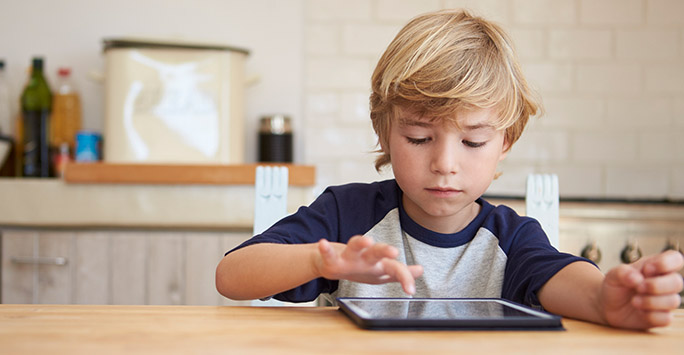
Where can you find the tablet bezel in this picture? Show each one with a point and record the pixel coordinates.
(539, 321)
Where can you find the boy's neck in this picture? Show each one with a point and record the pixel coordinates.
(442, 224)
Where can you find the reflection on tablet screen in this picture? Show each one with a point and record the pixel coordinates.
(434, 309)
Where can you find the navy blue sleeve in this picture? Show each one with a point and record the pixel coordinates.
(532, 261)
(338, 214)
(307, 225)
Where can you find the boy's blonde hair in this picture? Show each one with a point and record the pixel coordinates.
(446, 61)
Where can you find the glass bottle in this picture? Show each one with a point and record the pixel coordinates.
(36, 102)
(65, 120)
(7, 144)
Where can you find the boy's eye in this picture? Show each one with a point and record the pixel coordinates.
(417, 141)
(474, 144)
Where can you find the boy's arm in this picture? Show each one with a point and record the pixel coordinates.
(637, 296)
(262, 270)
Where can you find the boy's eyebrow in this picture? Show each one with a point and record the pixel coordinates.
(421, 123)
(414, 122)
(477, 126)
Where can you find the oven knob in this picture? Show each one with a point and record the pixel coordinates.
(592, 252)
(630, 253)
(672, 245)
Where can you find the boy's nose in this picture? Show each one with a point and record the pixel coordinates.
(444, 160)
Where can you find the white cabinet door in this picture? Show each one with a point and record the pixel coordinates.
(202, 254)
(55, 269)
(37, 266)
(165, 264)
(114, 267)
(18, 278)
(92, 268)
(128, 271)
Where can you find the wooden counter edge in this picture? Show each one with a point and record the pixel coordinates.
(238, 174)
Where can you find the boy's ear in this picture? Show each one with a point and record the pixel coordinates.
(505, 149)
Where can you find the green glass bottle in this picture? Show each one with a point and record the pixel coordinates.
(36, 102)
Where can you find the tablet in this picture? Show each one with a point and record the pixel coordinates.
(446, 313)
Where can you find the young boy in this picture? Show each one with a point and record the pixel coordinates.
(448, 102)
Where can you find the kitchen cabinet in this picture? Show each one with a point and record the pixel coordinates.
(129, 233)
(113, 267)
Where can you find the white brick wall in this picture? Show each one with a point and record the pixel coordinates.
(580, 44)
(545, 12)
(665, 12)
(550, 77)
(338, 11)
(531, 43)
(679, 112)
(665, 79)
(611, 12)
(642, 181)
(610, 73)
(609, 78)
(337, 72)
(647, 45)
(594, 146)
(565, 112)
(364, 38)
(639, 112)
(677, 189)
(402, 10)
(658, 146)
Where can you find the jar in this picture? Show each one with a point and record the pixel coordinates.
(275, 139)
(88, 146)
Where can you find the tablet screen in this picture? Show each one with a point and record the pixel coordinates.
(437, 309)
(444, 313)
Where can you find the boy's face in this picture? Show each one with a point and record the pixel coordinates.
(442, 169)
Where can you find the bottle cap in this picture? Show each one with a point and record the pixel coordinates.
(38, 63)
(2, 64)
(64, 71)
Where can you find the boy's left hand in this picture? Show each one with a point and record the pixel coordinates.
(643, 294)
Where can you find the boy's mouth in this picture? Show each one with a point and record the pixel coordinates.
(443, 191)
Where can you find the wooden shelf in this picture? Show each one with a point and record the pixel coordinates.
(242, 174)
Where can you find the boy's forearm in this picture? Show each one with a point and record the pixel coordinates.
(262, 270)
(574, 292)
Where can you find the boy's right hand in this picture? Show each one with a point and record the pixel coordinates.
(362, 260)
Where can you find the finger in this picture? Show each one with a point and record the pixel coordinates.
(377, 252)
(624, 276)
(358, 243)
(400, 272)
(657, 318)
(416, 270)
(657, 303)
(663, 263)
(669, 283)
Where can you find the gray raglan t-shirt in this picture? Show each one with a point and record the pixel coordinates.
(499, 254)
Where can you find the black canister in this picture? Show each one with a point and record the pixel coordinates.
(275, 139)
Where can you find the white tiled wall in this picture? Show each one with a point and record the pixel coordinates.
(610, 73)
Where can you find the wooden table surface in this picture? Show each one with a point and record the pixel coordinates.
(77, 329)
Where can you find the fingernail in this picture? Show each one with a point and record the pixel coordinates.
(411, 289)
(641, 288)
(635, 277)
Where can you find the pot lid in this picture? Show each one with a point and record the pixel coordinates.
(143, 42)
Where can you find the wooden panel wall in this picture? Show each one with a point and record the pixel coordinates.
(115, 267)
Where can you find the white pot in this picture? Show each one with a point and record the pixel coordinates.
(173, 102)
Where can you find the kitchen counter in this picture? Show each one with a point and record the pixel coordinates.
(128, 234)
(70, 329)
(144, 196)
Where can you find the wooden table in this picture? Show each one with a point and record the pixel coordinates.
(76, 329)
